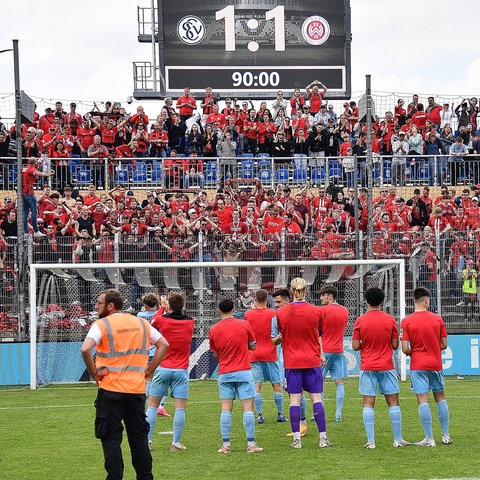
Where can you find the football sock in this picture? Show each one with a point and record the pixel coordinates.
(226, 425)
(152, 420)
(443, 415)
(249, 425)
(258, 402)
(396, 421)
(178, 424)
(163, 401)
(295, 418)
(369, 423)
(278, 399)
(147, 389)
(426, 419)
(340, 398)
(303, 408)
(319, 415)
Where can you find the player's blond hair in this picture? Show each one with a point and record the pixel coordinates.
(299, 289)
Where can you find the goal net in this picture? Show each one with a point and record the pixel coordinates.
(62, 299)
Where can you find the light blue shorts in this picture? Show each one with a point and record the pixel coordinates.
(266, 372)
(422, 381)
(174, 378)
(382, 381)
(336, 366)
(236, 385)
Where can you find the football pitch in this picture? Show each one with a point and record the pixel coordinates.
(48, 434)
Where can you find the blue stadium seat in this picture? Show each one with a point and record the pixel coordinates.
(264, 172)
(299, 175)
(211, 173)
(12, 175)
(122, 175)
(141, 165)
(139, 176)
(318, 175)
(422, 171)
(247, 169)
(387, 172)
(247, 155)
(157, 173)
(84, 175)
(74, 164)
(335, 172)
(281, 175)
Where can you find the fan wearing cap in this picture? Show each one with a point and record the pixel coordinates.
(322, 116)
(473, 212)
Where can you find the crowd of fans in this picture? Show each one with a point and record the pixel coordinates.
(288, 130)
(243, 221)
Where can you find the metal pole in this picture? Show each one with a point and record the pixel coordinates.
(20, 210)
(154, 45)
(369, 165)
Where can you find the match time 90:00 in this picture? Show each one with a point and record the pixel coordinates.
(255, 79)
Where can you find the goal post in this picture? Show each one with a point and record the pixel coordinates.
(62, 298)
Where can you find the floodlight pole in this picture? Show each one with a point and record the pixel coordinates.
(21, 280)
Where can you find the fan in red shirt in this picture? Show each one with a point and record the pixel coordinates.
(315, 95)
(303, 355)
(438, 223)
(85, 135)
(236, 228)
(264, 358)
(460, 221)
(473, 213)
(186, 104)
(217, 117)
(419, 118)
(274, 222)
(321, 201)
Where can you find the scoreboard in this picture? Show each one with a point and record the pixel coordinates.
(255, 47)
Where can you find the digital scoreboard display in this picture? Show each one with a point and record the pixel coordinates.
(255, 47)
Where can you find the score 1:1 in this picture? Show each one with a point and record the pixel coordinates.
(277, 14)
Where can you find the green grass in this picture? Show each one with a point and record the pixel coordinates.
(48, 434)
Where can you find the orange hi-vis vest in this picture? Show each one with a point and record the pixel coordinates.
(124, 351)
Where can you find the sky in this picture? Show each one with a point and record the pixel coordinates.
(84, 50)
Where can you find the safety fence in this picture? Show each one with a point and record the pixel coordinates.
(440, 264)
(213, 173)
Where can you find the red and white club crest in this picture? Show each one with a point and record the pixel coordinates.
(315, 30)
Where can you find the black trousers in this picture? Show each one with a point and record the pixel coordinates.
(113, 408)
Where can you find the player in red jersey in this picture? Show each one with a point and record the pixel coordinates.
(375, 334)
(230, 341)
(172, 373)
(301, 326)
(424, 337)
(264, 358)
(335, 319)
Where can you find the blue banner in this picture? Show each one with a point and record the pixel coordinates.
(62, 362)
